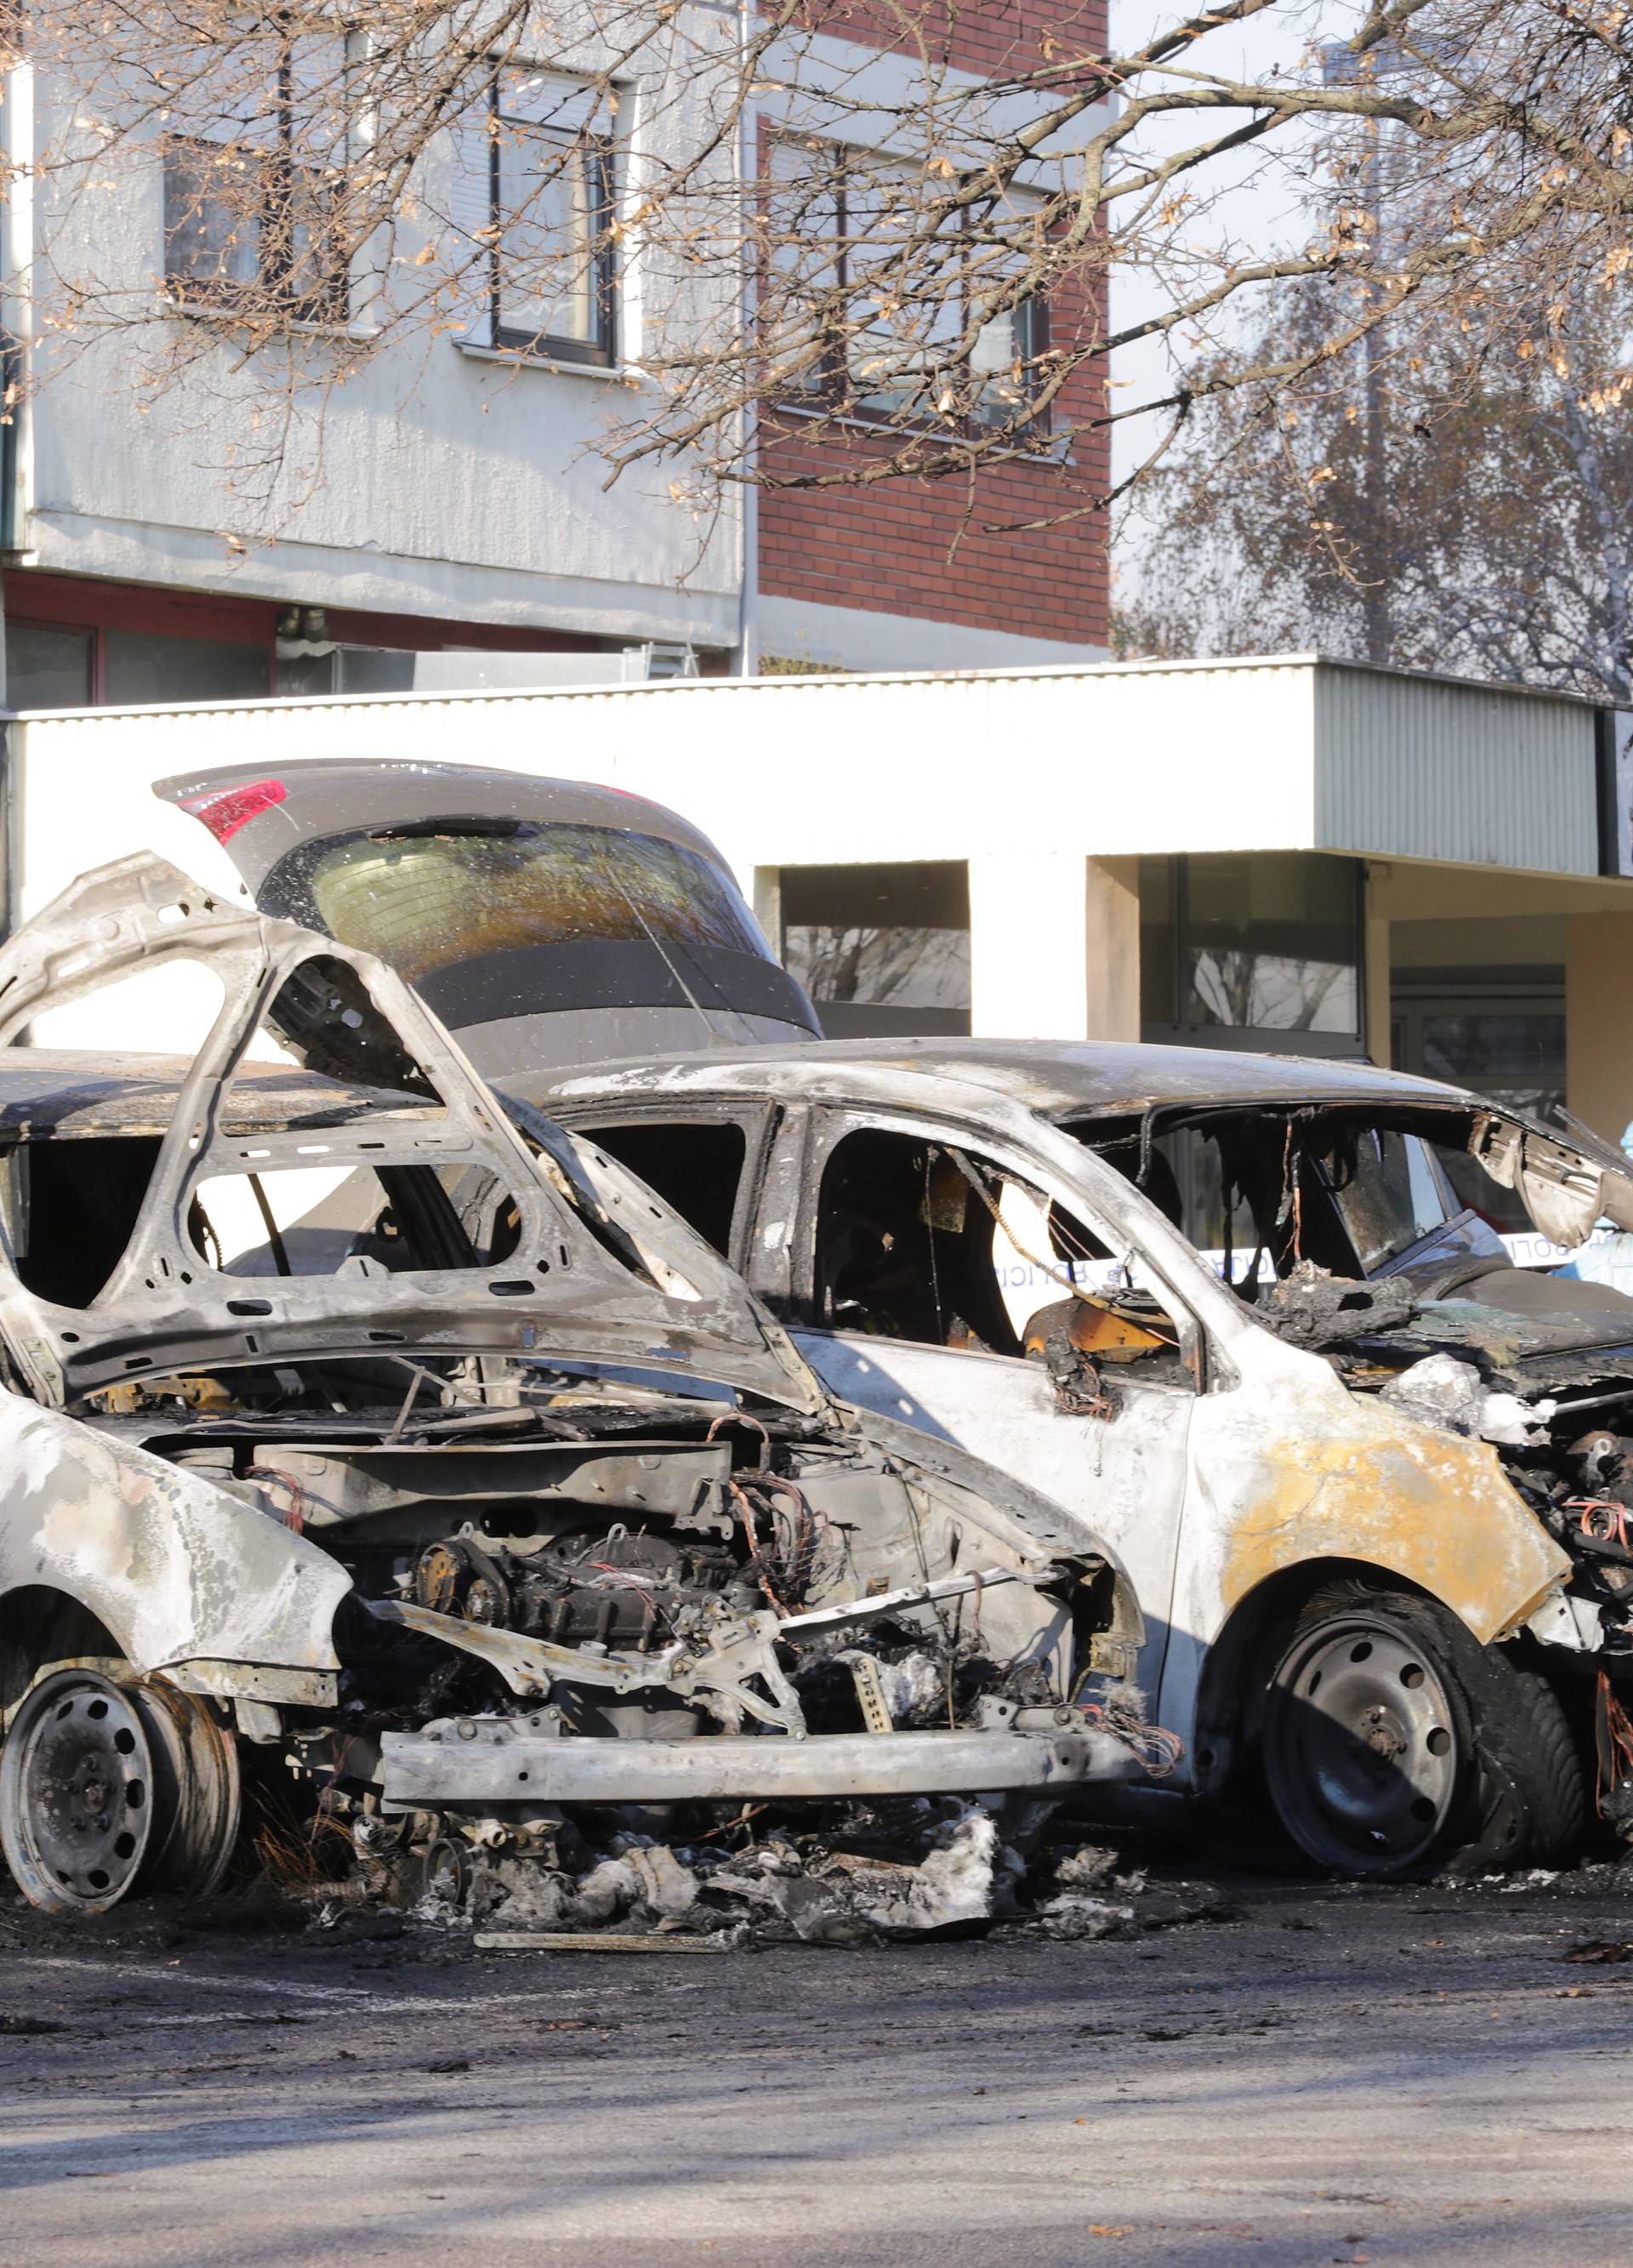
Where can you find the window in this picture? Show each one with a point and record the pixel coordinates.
(1265, 943)
(143, 666)
(254, 198)
(430, 898)
(904, 1246)
(836, 218)
(550, 160)
(882, 950)
(696, 1168)
(49, 667)
(919, 1241)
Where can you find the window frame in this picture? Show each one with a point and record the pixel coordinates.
(601, 152)
(831, 1124)
(754, 1120)
(835, 391)
(328, 303)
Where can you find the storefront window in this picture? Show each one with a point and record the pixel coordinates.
(881, 950)
(1263, 942)
(144, 666)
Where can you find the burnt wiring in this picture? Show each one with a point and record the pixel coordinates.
(294, 1512)
(1613, 1742)
(1121, 1710)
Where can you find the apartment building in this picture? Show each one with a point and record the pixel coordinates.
(435, 514)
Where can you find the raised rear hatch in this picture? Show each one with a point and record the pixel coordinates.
(546, 922)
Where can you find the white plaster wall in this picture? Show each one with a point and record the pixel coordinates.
(1024, 773)
(427, 480)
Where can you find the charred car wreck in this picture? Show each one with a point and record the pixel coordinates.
(1254, 1319)
(416, 1454)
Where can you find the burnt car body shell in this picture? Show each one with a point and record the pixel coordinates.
(520, 1001)
(1270, 1465)
(187, 1577)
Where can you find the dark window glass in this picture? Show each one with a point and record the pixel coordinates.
(138, 666)
(1518, 1056)
(1272, 943)
(369, 669)
(1392, 1198)
(47, 668)
(881, 936)
(429, 900)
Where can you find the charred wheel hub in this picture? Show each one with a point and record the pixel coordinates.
(106, 1787)
(1362, 1747)
(85, 1782)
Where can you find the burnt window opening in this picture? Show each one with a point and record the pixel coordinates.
(696, 1169)
(934, 1244)
(1257, 1192)
(905, 1248)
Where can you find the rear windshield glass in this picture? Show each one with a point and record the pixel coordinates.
(429, 899)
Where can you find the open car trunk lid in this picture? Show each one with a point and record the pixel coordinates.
(593, 1267)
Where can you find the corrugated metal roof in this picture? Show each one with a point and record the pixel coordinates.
(1425, 767)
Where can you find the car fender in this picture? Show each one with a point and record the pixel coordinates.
(1291, 1467)
(177, 1570)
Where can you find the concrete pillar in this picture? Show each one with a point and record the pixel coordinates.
(1599, 1020)
(1377, 1034)
(768, 899)
(1054, 947)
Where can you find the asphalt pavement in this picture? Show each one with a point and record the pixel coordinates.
(1425, 2076)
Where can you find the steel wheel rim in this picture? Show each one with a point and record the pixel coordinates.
(1364, 1747)
(76, 1793)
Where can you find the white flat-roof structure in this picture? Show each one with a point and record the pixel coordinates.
(1485, 824)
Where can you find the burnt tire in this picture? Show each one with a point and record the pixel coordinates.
(1393, 1741)
(114, 1786)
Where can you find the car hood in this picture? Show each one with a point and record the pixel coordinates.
(599, 1270)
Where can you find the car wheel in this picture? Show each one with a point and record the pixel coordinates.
(1394, 1740)
(106, 1787)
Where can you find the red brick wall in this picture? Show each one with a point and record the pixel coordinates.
(918, 548)
(988, 36)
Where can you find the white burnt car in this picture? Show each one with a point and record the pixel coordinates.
(1255, 1321)
(417, 1451)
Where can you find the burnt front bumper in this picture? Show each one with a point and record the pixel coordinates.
(474, 1763)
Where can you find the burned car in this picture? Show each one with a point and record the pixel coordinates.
(414, 1452)
(1255, 1322)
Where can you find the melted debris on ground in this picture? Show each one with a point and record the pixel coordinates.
(863, 1875)
(873, 1874)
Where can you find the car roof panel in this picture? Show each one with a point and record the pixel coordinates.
(1057, 1079)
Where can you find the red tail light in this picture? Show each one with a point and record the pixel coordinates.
(224, 810)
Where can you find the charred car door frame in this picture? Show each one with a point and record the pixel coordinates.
(1121, 1468)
